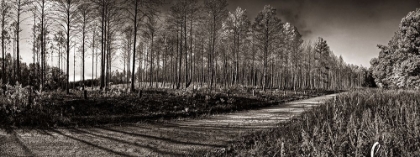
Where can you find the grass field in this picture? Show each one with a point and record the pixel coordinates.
(346, 126)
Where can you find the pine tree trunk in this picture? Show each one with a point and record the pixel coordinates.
(134, 46)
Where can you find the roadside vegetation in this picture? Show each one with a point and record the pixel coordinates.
(25, 107)
(346, 126)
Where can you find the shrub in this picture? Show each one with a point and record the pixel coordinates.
(19, 104)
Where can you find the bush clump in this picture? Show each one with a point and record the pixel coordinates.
(22, 106)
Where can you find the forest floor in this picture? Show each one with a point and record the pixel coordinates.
(154, 138)
(117, 106)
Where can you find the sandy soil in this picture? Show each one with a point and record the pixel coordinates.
(171, 138)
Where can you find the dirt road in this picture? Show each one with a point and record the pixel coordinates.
(172, 138)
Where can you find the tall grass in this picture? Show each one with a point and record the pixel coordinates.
(346, 126)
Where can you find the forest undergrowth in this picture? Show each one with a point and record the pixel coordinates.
(24, 107)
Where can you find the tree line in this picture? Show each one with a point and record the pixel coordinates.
(180, 44)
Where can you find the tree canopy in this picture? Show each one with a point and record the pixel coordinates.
(398, 64)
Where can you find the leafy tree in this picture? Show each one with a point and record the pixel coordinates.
(237, 26)
(267, 29)
(322, 54)
(217, 12)
(293, 41)
(369, 81)
(398, 64)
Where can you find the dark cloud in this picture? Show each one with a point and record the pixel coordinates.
(291, 11)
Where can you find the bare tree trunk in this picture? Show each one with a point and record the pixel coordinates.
(68, 49)
(179, 45)
(164, 77)
(42, 44)
(83, 52)
(157, 69)
(18, 14)
(93, 57)
(186, 50)
(3, 21)
(103, 46)
(265, 56)
(212, 54)
(151, 63)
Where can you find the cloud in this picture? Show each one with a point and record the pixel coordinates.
(291, 11)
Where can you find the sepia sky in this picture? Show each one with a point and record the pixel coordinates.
(352, 28)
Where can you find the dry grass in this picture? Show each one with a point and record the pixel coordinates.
(346, 126)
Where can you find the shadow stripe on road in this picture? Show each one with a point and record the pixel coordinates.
(156, 150)
(17, 138)
(160, 138)
(91, 144)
